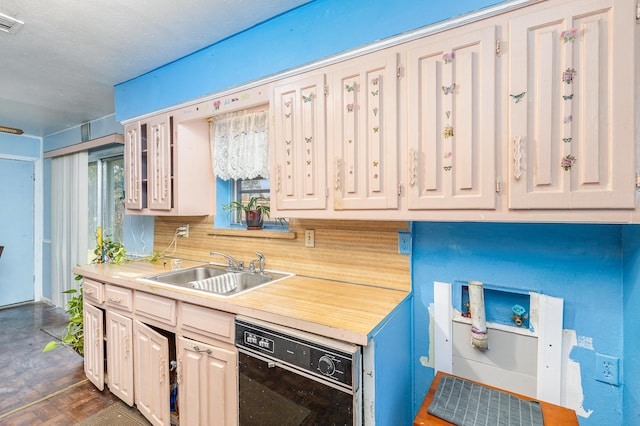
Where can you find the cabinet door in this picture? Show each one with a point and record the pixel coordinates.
(299, 144)
(94, 345)
(451, 122)
(120, 356)
(135, 152)
(159, 137)
(365, 116)
(151, 374)
(571, 109)
(208, 383)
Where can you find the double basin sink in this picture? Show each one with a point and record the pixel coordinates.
(218, 280)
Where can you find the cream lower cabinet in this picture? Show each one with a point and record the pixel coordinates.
(207, 383)
(120, 356)
(151, 374)
(571, 110)
(141, 334)
(94, 344)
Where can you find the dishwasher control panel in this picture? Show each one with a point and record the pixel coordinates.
(326, 358)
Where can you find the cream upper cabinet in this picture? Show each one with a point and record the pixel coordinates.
(571, 106)
(159, 162)
(135, 182)
(364, 119)
(298, 144)
(168, 167)
(451, 121)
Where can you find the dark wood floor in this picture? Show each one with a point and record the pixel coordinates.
(42, 388)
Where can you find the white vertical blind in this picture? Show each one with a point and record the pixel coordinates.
(69, 221)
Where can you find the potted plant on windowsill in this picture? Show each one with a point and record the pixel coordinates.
(255, 211)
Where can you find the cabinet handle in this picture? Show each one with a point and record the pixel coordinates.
(162, 375)
(179, 370)
(115, 300)
(87, 291)
(126, 346)
(413, 165)
(517, 157)
(279, 168)
(197, 349)
(337, 174)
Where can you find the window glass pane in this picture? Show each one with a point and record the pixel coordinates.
(113, 197)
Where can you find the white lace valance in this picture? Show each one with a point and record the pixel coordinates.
(240, 146)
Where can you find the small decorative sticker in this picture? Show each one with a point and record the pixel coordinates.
(287, 104)
(376, 129)
(568, 161)
(287, 115)
(308, 139)
(569, 35)
(375, 92)
(307, 98)
(447, 132)
(518, 97)
(349, 107)
(567, 97)
(448, 89)
(448, 154)
(568, 75)
(448, 57)
(567, 140)
(568, 118)
(216, 105)
(350, 88)
(376, 164)
(375, 111)
(375, 81)
(447, 168)
(448, 114)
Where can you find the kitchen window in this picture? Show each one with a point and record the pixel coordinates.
(106, 194)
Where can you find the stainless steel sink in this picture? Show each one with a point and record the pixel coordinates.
(243, 280)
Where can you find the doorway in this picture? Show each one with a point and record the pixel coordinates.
(16, 231)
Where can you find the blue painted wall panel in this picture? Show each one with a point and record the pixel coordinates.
(580, 263)
(631, 325)
(319, 29)
(20, 145)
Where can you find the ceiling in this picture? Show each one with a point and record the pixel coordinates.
(59, 69)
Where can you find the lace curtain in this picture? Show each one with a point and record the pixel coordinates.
(240, 146)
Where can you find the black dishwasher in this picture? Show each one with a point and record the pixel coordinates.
(290, 377)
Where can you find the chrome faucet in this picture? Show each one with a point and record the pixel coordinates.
(234, 265)
(260, 260)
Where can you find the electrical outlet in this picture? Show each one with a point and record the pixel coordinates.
(607, 369)
(183, 231)
(309, 238)
(404, 242)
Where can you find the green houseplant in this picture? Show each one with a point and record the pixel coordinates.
(106, 250)
(255, 211)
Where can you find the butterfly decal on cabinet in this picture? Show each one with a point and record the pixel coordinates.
(447, 90)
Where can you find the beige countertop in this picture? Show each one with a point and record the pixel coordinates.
(344, 311)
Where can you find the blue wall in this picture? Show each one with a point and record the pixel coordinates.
(631, 295)
(583, 264)
(311, 32)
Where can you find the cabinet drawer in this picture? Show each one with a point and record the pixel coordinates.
(118, 297)
(93, 290)
(155, 307)
(207, 322)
